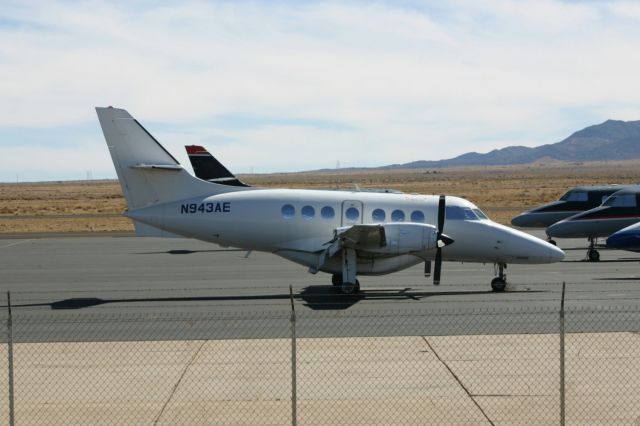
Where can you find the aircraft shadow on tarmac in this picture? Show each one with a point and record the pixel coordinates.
(314, 297)
(624, 260)
(189, 251)
(618, 279)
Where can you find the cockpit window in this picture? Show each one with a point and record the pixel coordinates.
(575, 196)
(463, 213)
(480, 214)
(622, 200)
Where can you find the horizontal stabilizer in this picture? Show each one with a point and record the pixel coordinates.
(174, 167)
(144, 230)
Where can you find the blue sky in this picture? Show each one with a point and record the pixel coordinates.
(289, 86)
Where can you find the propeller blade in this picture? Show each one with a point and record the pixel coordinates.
(438, 267)
(443, 240)
(427, 269)
(441, 212)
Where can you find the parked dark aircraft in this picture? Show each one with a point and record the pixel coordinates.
(620, 210)
(576, 200)
(626, 239)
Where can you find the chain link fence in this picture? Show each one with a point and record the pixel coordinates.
(482, 366)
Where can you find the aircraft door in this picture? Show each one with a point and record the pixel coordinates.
(351, 212)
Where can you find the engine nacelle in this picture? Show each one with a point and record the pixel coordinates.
(403, 238)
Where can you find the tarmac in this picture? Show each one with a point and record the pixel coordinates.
(50, 268)
(164, 331)
(119, 275)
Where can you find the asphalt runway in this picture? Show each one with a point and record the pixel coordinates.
(90, 277)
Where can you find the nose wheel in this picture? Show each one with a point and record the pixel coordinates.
(551, 241)
(499, 283)
(592, 254)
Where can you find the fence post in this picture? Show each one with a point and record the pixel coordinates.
(10, 354)
(294, 387)
(562, 391)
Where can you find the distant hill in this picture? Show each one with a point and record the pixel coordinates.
(611, 140)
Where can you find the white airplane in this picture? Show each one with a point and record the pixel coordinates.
(342, 233)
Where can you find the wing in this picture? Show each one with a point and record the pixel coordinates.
(384, 240)
(361, 237)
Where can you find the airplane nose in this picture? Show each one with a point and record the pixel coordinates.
(555, 254)
(562, 229)
(522, 220)
(624, 239)
(525, 248)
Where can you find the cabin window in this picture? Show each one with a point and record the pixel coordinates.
(378, 215)
(417, 216)
(308, 212)
(352, 214)
(327, 212)
(397, 216)
(621, 200)
(288, 211)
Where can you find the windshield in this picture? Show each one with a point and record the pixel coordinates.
(464, 213)
(575, 196)
(480, 214)
(621, 200)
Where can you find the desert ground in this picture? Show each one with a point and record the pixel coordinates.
(501, 191)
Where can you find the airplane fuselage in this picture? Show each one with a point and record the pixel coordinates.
(297, 225)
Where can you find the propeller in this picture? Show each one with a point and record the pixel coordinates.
(442, 241)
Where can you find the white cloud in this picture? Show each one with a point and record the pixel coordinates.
(424, 82)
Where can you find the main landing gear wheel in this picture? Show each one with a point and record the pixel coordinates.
(336, 280)
(344, 288)
(498, 284)
(552, 241)
(350, 288)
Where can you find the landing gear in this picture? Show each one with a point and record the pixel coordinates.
(344, 288)
(346, 282)
(499, 283)
(551, 241)
(592, 253)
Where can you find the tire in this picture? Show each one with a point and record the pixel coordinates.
(350, 288)
(594, 256)
(498, 285)
(336, 280)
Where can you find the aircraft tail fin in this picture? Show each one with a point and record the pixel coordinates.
(148, 174)
(207, 167)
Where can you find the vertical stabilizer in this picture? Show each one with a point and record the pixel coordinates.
(207, 167)
(148, 174)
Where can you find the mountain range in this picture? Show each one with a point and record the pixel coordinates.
(611, 140)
